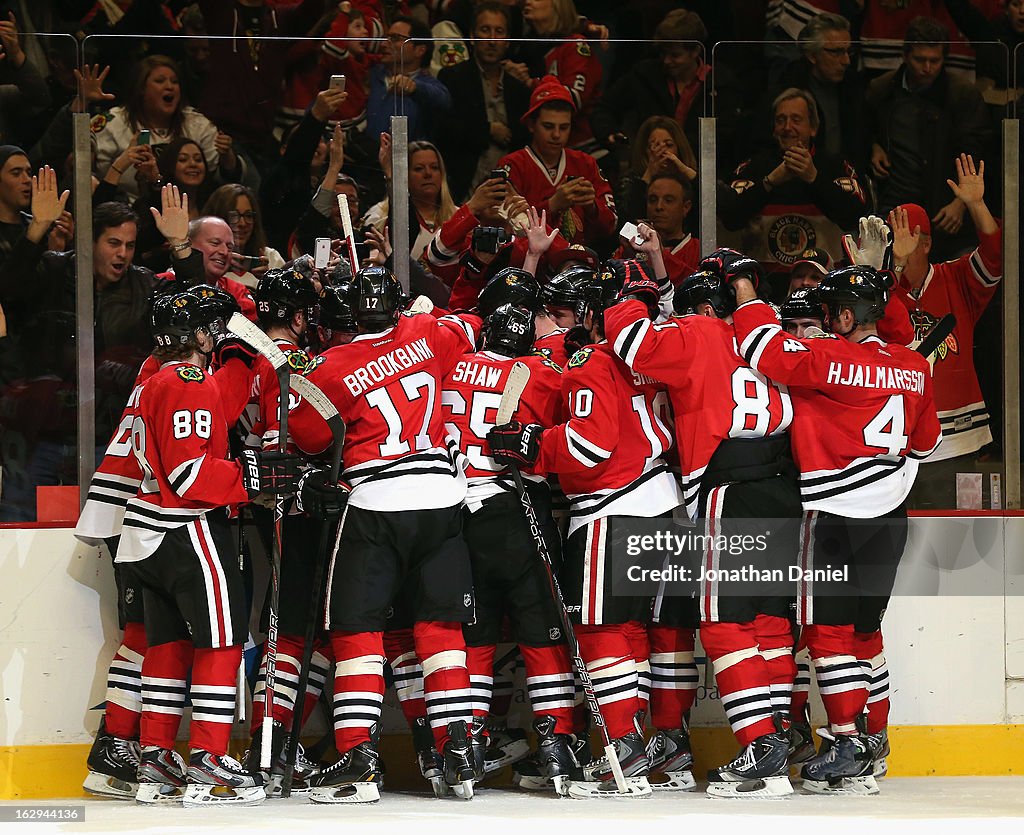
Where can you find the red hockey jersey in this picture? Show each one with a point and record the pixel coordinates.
(715, 395)
(264, 395)
(574, 64)
(180, 440)
(963, 287)
(609, 456)
(471, 396)
(530, 177)
(387, 387)
(551, 346)
(864, 415)
(117, 478)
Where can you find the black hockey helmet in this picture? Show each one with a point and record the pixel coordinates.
(176, 317)
(280, 293)
(704, 286)
(603, 290)
(859, 288)
(376, 298)
(511, 285)
(510, 330)
(218, 306)
(341, 274)
(803, 303)
(336, 308)
(565, 289)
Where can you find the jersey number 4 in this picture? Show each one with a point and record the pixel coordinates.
(887, 429)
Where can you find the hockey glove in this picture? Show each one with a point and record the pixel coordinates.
(874, 245)
(319, 497)
(575, 338)
(232, 348)
(638, 286)
(269, 472)
(729, 264)
(515, 443)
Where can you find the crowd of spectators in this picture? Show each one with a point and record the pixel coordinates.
(827, 110)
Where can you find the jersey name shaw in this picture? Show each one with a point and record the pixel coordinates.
(875, 377)
(390, 364)
(477, 374)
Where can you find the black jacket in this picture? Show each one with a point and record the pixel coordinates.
(465, 133)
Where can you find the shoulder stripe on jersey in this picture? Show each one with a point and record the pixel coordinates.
(980, 273)
(185, 474)
(595, 502)
(629, 341)
(587, 453)
(753, 346)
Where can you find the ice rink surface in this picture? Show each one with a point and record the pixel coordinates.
(933, 805)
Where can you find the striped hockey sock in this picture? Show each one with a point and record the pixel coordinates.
(286, 682)
(446, 687)
(609, 659)
(164, 676)
(674, 676)
(358, 686)
(641, 647)
(842, 681)
(742, 676)
(124, 684)
(214, 680)
(550, 685)
(480, 664)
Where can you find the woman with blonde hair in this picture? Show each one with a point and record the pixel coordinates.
(430, 201)
(238, 207)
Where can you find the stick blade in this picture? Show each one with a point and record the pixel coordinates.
(250, 333)
(518, 378)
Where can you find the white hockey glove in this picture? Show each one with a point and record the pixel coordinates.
(874, 247)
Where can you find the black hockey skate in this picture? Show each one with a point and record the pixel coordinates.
(527, 773)
(215, 779)
(428, 758)
(113, 766)
(879, 743)
(460, 760)
(844, 768)
(274, 778)
(761, 769)
(355, 778)
(671, 760)
(801, 746)
(599, 778)
(505, 746)
(161, 776)
(555, 761)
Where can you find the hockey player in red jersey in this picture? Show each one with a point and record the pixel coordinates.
(176, 538)
(508, 576)
(730, 426)
(402, 534)
(609, 457)
(566, 183)
(114, 757)
(877, 401)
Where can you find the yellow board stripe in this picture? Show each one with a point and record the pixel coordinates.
(39, 772)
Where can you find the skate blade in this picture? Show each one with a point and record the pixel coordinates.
(530, 782)
(879, 768)
(159, 794)
(560, 783)
(103, 785)
(440, 787)
(275, 789)
(766, 787)
(364, 792)
(463, 790)
(672, 781)
(510, 755)
(200, 794)
(636, 787)
(864, 786)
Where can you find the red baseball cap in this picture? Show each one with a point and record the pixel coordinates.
(917, 216)
(548, 89)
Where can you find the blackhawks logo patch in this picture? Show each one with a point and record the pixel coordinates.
(98, 122)
(580, 357)
(553, 365)
(313, 363)
(298, 361)
(191, 373)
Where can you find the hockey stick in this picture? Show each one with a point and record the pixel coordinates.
(518, 377)
(937, 335)
(256, 338)
(326, 409)
(346, 225)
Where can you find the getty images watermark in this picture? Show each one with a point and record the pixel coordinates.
(928, 556)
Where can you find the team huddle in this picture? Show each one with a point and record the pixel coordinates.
(489, 461)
